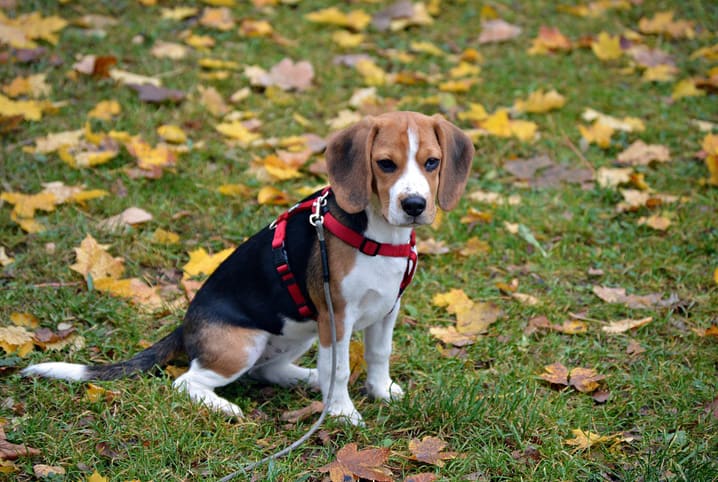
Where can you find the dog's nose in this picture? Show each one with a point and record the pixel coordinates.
(413, 205)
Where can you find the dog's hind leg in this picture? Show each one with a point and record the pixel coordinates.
(225, 354)
(277, 363)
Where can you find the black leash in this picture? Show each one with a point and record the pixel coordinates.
(317, 220)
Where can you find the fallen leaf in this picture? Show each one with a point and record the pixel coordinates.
(161, 236)
(431, 246)
(11, 451)
(540, 102)
(585, 440)
(272, 195)
(95, 393)
(686, 88)
(16, 340)
(365, 464)
(94, 260)
(654, 221)
(356, 19)
(627, 124)
(613, 176)
(474, 246)
(549, 39)
(202, 263)
(585, 380)
(96, 477)
(422, 477)
(526, 168)
(295, 416)
(607, 47)
(157, 95)
(622, 326)
(556, 374)
(237, 131)
(129, 217)
(105, 110)
(429, 450)
(663, 23)
(493, 31)
(641, 154)
(217, 18)
(42, 471)
(597, 133)
(169, 50)
(172, 133)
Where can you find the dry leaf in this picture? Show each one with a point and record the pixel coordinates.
(549, 39)
(94, 260)
(95, 393)
(41, 470)
(365, 464)
(622, 326)
(654, 221)
(540, 102)
(272, 195)
(129, 217)
(295, 416)
(556, 374)
(169, 50)
(288, 75)
(157, 95)
(641, 154)
(607, 47)
(11, 451)
(585, 380)
(432, 246)
(585, 440)
(429, 450)
(16, 340)
(356, 19)
(498, 30)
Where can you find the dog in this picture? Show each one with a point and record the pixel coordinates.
(264, 306)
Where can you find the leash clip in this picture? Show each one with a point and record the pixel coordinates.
(316, 219)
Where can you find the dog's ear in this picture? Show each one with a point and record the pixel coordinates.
(348, 163)
(457, 152)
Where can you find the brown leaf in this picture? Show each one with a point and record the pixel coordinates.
(556, 374)
(288, 75)
(585, 380)
(618, 295)
(11, 451)
(641, 154)
(381, 20)
(429, 450)
(601, 396)
(154, 94)
(625, 325)
(422, 477)
(525, 169)
(365, 464)
(295, 416)
(41, 470)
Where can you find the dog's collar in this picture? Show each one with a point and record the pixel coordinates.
(351, 237)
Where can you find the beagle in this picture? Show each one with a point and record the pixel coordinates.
(264, 306)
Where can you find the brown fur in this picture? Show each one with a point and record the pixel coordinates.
(225, 348)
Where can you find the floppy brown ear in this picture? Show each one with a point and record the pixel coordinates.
(348, 162)
(457, 154)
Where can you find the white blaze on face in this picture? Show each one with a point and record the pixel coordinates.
(411, 183)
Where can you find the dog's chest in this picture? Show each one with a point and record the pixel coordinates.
(371, 287)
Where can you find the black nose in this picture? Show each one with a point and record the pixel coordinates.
(413, 205)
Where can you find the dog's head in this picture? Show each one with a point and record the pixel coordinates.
(406, 159)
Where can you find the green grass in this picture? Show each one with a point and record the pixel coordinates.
(489, 405)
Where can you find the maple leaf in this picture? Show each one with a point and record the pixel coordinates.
(96, 477)
(105, 110)
(556, 374)
(365, 464)
(663, 23)
(627, 124)
(598, 133)
(585, 380)
(273, 196)
(641, 154)
(710, 147)
(540, 102)
(584, 440)
(172, 133)
(607, 47)
(686, 88)
(237, 131)
(95, 393)
(498, 30)
(202, 263)
(28, 109)
(372, 74)
(16, 340)
(169, 50)
(94, 260)
(549, 39)
(32, 85)
(429, 450)
(217, 18)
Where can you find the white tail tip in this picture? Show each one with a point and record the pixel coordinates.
(61, 370)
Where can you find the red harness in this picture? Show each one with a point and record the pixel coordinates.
(346, 234)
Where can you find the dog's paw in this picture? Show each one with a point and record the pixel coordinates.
(346, 413)
(387, 392)
(313, 378)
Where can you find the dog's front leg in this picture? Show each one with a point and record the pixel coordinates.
(377, 351)
(341, 405)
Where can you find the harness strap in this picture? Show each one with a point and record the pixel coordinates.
(365, 245)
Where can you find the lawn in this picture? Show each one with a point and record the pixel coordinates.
(559, 216)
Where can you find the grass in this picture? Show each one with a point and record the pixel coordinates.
(489, 404)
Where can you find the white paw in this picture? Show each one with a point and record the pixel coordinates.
(346, 413)
(313, 378)
(387, 392)
(227, 407)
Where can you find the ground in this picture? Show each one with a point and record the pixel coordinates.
(487, 398)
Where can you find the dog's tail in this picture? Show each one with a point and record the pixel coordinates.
(158, 354)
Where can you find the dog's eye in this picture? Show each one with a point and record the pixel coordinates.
(386, 165)
(431, 164)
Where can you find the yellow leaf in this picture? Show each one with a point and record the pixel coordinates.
(540, 102)
(161, 236)
(710, 146)
(24, 319)
(598, 133)
(105, 110)
(279, 169)
(659, 73)
(149, 157)
(31, 26)
(654, 221)
(169, 50)
(607, 47)
(255, 28)
(33, 86)
(473, 215)
(235, 130)
(462, 85)
(625, 325)
(455, 301)
(663, 23)
(207, 63)
(346, 39)
(29, 109)
(451, 336)
(356, 19)
(201, 42)
(272, 195)
(93, 259)
(94, 394)
(498, 124)
(372, 73)
(686, 88)
(474, 246)
(172, 133)
(627, 124)
(585, 440)
(29, 225)
(5, 260)
(96, 477)
(477, 319)
(220, 3)
(523, 130)
(25, 205)
(218, 18)
(16, 340)
(233, 190)
(132, 288)
(86, 158)
(464, 69)
(53, 142)
(708, 53)
(715, 275)
(476, 113)
(202, 263)
(425, 47)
